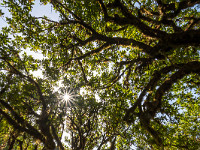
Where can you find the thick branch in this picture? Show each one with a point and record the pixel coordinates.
(30, 131)
(33, 82)
(186, 68)
(182, 5)
(104, 46)
(56, 138)
(130, 19)
(191, 67)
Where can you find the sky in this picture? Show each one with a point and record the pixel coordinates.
(37, 11)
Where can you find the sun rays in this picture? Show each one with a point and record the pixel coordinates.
(69, 97)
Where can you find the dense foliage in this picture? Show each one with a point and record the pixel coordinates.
(131, 67)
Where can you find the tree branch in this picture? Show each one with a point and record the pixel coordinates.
(31, 130)
(185, 68)
(33, 82)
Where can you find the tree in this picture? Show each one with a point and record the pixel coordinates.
(137, 61)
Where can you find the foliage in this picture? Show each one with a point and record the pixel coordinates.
(131, 68)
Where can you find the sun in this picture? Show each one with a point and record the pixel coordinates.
(67, 97)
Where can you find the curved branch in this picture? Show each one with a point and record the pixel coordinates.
(33, 82)
(56, 138)
(185, 69)
(146, 125)
(104, 46)
(181, 5)
(130, 19)
(188, 68)
(31, 130)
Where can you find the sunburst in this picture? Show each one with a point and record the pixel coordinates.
(69, 97)
(66, 97)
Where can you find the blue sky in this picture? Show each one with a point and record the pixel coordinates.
(37, 11)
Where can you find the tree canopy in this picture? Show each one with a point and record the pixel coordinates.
(131, 70)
